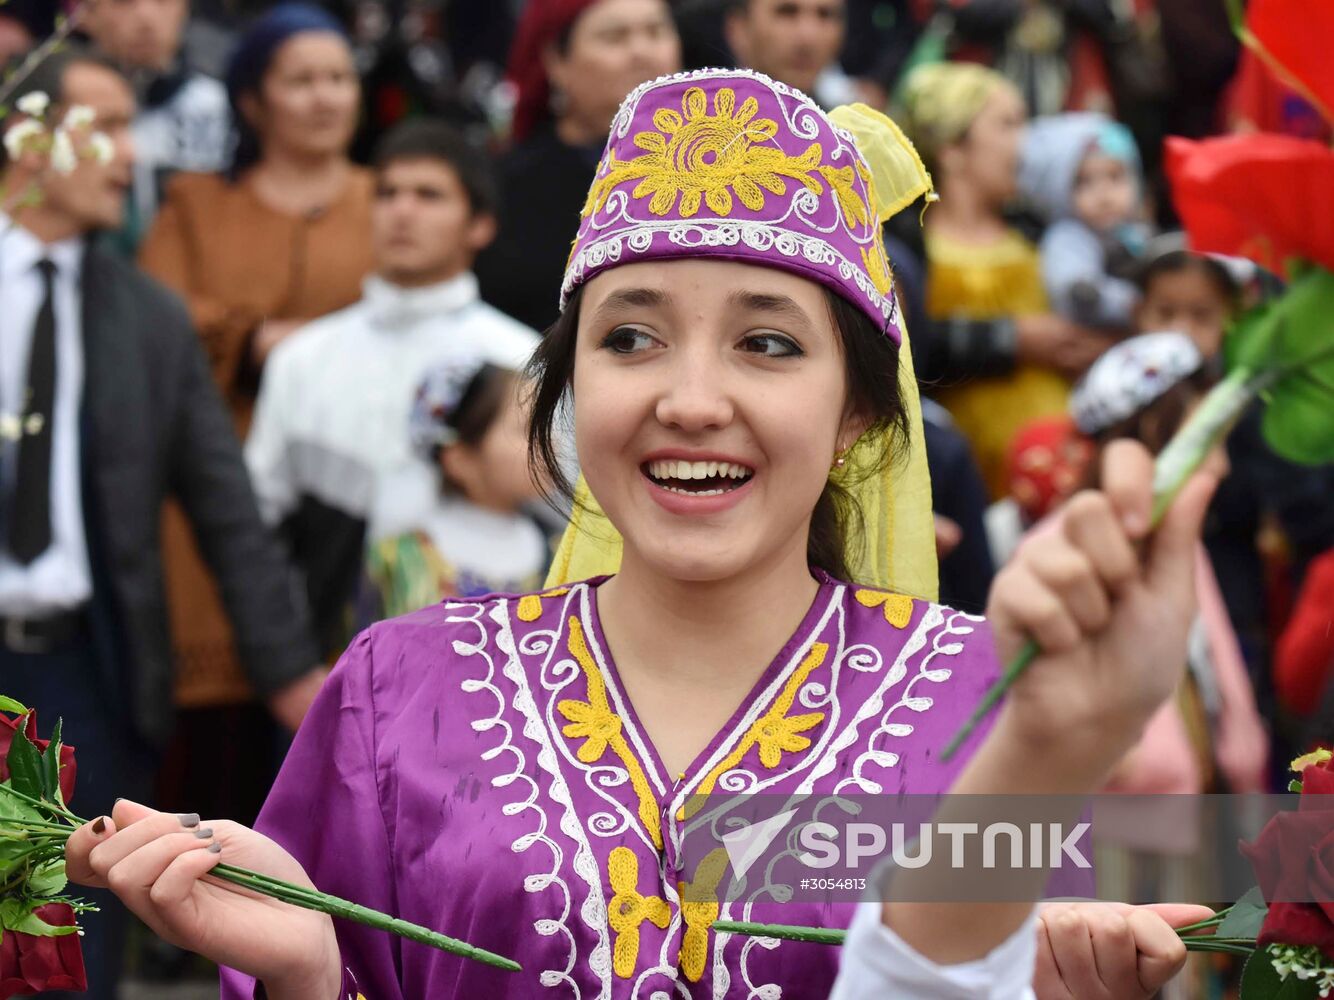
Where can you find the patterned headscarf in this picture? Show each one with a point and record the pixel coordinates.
(942, 100)
(442, 389)
(541, 25)
(730, 165)
(1130, 376)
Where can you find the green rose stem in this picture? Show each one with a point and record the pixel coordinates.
(322, 902)
(1207, 427)
(832, 935)
(264, 885)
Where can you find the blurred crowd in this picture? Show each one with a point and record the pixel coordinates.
(366, 208)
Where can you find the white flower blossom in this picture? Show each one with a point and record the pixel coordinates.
(79, 116)
(101, 147)
(34, 104)
(1305, 964)
(18, 137)
(63, 158)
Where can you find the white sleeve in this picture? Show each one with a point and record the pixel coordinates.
(877, 963)
(266, 445)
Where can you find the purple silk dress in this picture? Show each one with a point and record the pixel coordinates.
(477, 768)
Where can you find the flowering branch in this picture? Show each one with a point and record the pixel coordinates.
(64, 28)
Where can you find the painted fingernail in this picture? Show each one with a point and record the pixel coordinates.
(189, 820)
(100, 825)
(205, 833)
(215, 848)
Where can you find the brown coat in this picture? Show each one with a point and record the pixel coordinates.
(238, 262)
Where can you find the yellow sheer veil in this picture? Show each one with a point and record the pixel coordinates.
(895, 548)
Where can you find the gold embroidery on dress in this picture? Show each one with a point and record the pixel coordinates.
(530, 605)
(897, 607)
(702, 156)
(775, 731)
(699, 909)
(600, 727)
(629, 908)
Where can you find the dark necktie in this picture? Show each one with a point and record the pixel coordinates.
(30, 515)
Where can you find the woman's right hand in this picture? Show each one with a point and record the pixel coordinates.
(155, 863)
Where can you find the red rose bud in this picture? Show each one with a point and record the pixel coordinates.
(1293, 860)
(8, 727)
(31, 964)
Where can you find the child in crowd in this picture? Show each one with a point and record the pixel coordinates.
(1081, 171)
(1143, 389)
(469, 423)
(1191, 293)
(1210, 738)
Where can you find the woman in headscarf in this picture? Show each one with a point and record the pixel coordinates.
(572, 64)
(999, 356)
(278, 240)
(547, 773)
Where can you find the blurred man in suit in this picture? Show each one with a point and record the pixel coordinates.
(107, 406)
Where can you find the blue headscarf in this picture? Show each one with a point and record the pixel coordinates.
(1056, 145)
(253, 56)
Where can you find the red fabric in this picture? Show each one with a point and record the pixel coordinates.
(1046, 465)
(31, 964)
(1297, 33)
(1255, 196)
(1259, 102)
(7, 731)
(1304, 657)
(539, 27)
(1293, 859)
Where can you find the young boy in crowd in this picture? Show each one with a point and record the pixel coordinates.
(1081, 171)
(329, 422)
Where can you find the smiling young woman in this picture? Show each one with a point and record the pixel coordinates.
(522, 770)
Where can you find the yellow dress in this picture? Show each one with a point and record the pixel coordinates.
(985, 282)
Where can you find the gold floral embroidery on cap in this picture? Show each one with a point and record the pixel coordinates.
(629, 908)
(698, 156)
(599, 727)
(897, 607)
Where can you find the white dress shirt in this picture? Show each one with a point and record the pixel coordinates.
(331, 421)
(59, 579)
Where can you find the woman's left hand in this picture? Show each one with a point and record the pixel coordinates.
(1109, 951)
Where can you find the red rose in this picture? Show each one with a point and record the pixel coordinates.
(1293, 859)
(31, 964)
(7, 731)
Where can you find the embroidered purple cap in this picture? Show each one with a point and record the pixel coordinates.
(729, 164)
(1130, 376)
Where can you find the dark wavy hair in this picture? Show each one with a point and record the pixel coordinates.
(871, 361)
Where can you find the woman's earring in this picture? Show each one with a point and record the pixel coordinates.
(840, 459)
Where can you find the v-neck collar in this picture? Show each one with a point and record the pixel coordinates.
(760, 695)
